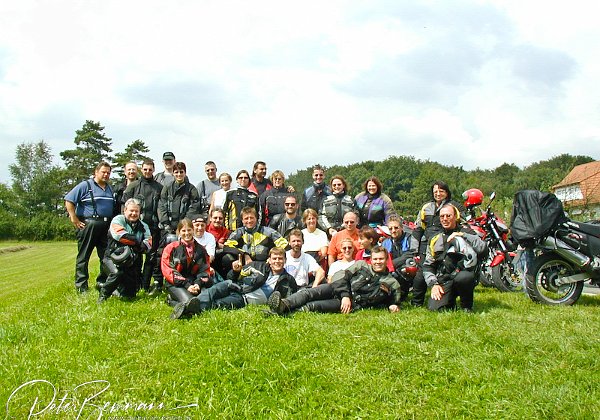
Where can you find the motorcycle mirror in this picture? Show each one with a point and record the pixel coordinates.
(492, 195)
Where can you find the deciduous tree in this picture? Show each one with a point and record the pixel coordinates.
(37, 185)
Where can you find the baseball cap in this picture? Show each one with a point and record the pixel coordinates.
(168, 155)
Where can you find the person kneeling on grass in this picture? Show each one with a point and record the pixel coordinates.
(185, 264)
(451, 261)
(128, 239)
(357, 287)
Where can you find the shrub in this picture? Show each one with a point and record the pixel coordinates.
(43, 227)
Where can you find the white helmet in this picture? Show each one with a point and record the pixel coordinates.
(461, 247)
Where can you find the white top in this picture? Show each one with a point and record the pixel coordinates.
(218, 198)
(300, 267)
(314, 241)
(339, 265)
(208, 242)
(261, 295)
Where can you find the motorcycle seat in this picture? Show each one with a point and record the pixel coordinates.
(588, 228)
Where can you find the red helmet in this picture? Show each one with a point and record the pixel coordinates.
(410, 268)
(473, 197)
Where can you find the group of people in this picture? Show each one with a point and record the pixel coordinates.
(214, 246)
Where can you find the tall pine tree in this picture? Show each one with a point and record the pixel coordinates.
(92, 148)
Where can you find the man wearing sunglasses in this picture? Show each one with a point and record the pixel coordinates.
(237, 199)
(285, 222)
(350, 230)
(451, 261)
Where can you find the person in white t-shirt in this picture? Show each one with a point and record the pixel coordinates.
(347, 248)
(218, 197)
(315, 240)
(207, 240)
(301, 265)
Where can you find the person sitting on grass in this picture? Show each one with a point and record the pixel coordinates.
(334, 251)
(347, 248)
(185, 265)
(252, 241)
(369, 238)
(359, 286)
(315, 240)
(403, 248)
(204, 238)
(216, 228)
(249, 284)
(300, 265)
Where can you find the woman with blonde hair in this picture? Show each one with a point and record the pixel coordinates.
(217, 200)
(315, 240)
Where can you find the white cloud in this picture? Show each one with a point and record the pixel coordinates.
(474, 83)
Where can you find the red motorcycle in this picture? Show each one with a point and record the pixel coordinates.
(497, 269)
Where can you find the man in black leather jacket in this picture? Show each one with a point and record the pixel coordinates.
(178, 200)
(359, 286)
(147, 191)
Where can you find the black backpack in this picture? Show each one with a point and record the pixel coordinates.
(534, 215)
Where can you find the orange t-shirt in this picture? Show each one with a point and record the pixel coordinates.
(335, 245)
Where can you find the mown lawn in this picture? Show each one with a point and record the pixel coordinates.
(511, 359)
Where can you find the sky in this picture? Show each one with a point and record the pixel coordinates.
(465, 83)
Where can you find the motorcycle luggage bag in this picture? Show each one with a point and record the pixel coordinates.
(534, 215)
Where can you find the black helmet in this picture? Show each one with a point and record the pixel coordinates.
(123, 256)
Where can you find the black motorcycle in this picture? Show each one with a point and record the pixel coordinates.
(562, 254)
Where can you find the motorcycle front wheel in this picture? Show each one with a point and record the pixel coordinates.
(505, 279)
(485, 276)
(541, 281)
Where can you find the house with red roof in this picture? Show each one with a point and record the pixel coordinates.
(579, 191)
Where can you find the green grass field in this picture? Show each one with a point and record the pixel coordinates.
(63, 356)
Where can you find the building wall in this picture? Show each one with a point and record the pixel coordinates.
(569, 193)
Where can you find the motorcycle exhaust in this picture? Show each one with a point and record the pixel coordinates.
(565, 251)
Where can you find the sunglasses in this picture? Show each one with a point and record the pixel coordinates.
(346, 248)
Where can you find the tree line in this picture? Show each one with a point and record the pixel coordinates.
(408, 180)
(32, 206)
